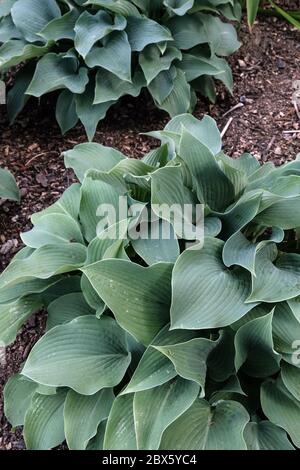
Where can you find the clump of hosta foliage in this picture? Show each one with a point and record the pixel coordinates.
(99, 50)
(8, 186)
(154, 344)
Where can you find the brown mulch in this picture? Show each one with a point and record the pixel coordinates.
(264, 70)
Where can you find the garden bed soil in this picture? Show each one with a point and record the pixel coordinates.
(264, 71)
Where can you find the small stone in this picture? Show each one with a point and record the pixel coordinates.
(280, 64)
(278, 151)
(242, 63)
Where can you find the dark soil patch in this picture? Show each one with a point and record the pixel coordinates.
(264, 70)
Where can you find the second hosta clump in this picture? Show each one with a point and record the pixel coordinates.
(151, 343)
(100, 50)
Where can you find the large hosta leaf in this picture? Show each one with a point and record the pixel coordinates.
(86, 355)
(205, 427)
(281, 408)
(61, 27)
(155, 409)
(52, 229)
(144, 31)
(205, 293)
(44, 263)
(120, 431)
(282, 271)
(82, 415)
(266, 436)
(15, 51)
(286, 332)
(31, 16)
(18, 393)
(8, 186)
(114, 56)
(44, 422)
(255, 349)
(53, 72)
(211, 184)
(91, 155)
(14, 314)
(139, 297)
(189, 358)
(155, 368)
(66, 308)
(91, 28)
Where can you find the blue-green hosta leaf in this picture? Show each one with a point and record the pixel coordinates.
(110, 88)
(179, 7)
(65, 112)
(254, 346)
(53, 229)
(139, 297)
(62, 27)
(121, 7)
(14, 314)
(54, 72)
(44, 421)
(120, 431)
(93, 194)
(90, 114)
(5, 7)
(284, 213)
(167, 187)
(239, 214)
(221, 36)
(196, 65)
(282, 271)
(221, 359)
(286, 333)
(144, 31)
(63, 285)
(82, 415)
(8, 29)
(266, 436)
(83, 157)
(206, 130)
(66, 308)
(67, 204)
(96, 443)
(18, 393)
(291, 378)
(117, 175)
(44, 263)
(205, 293)
(212, 186)
(281, 408)
(91, 296)
(155, 409)
(91, 28)
(8, 186)
(31, 16)
(212, 226)
(163, 247)
(114, 56)
(188, 31)
(238, 250)
(205, 427)
(190, 358)
(15, 51)
(152, 61)
(294, 305)
(87, 354)
(179, 100)
(155, 368)
(162, 85)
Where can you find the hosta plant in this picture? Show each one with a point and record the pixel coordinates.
(99, 50)
(8, 186)
(183, 342)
